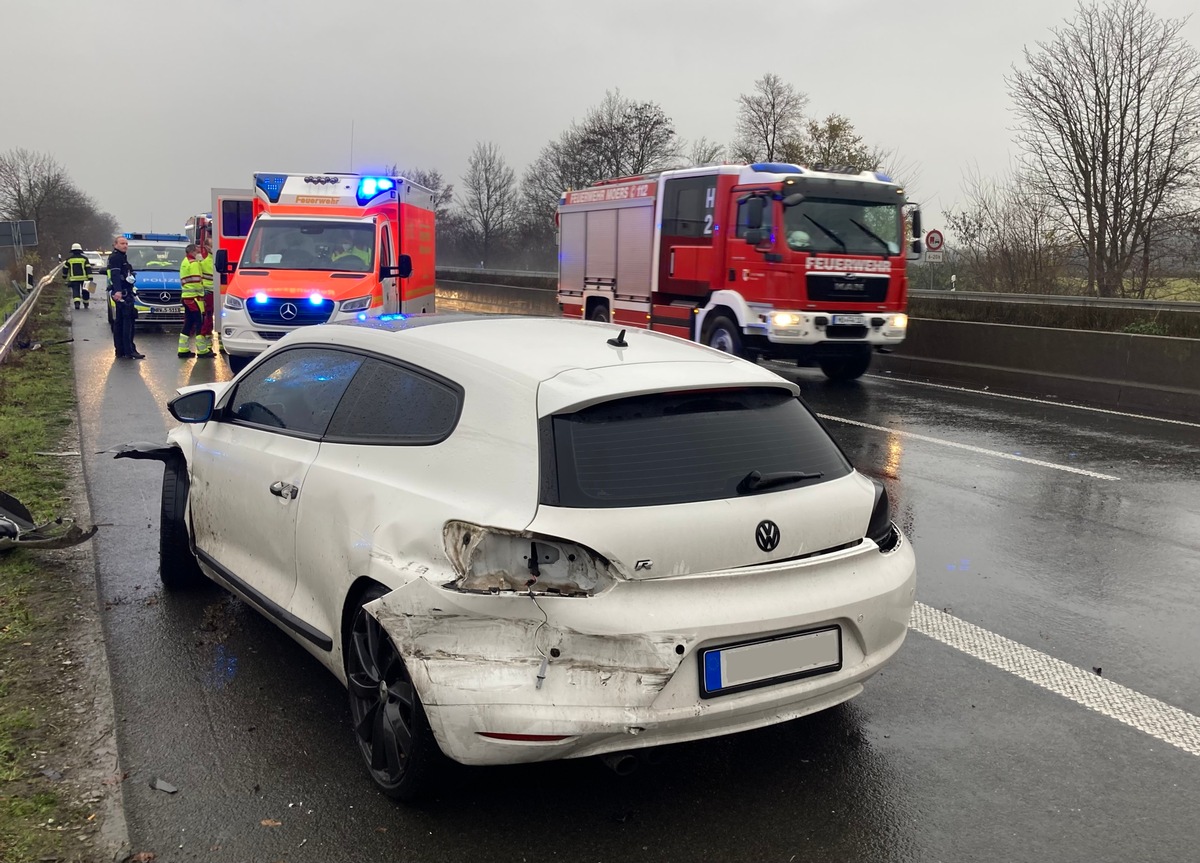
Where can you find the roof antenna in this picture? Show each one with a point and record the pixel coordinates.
(619, 341)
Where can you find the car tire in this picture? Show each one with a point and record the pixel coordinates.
(723, 335)
(599, 313)
(238, 362)
(177, 566)
(846, 368)
(402, 771)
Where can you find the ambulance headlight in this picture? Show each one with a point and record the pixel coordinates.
(899, 322)
(785, 319)
(233, 303)
(356, 305)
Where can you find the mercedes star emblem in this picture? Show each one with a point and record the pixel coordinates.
(165, 297)
(767, 535)
(288, 311)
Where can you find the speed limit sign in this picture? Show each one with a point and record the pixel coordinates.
(934, 241)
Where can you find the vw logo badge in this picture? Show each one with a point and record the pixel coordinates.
(767, 535)
(288, 311)
(165, 297)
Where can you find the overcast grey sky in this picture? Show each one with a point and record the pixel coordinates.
(112, 88)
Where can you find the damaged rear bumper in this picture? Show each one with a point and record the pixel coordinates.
(622, 668)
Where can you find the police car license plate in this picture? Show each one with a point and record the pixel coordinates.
(166, 310)
(760, 663)
(852, 320)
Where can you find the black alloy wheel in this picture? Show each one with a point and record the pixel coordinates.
(389, 721)
(599, 313)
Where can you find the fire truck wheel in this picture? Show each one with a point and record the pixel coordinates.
(599, 313)
(177, 567)
(723, 335)
(846, 368)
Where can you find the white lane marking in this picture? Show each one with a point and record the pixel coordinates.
(970, 448)
(979, 392)
(1148, 715)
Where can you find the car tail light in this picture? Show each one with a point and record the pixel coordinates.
(881, 530)
(493, 561)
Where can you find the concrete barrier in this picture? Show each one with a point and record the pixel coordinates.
(1141, 374)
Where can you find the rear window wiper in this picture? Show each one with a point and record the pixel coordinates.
(755, 481)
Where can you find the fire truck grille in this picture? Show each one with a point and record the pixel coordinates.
(840, 288)
(289, 312)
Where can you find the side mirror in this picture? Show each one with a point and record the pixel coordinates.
(916, 249)
(402, 270)
(195, 407)
(755, 236)
(793, 200)
(754, 213)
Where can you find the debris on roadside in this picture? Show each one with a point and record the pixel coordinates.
(17, 529)
(162, 785)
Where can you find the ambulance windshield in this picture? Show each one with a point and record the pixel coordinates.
(310, 244)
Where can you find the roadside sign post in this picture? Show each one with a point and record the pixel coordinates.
(934, 243)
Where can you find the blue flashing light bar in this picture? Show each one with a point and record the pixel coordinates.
(776, 168)
(271, 185)
(369, 187)
(883, 178)
(315, 298)
(157, 238)
(260, 297)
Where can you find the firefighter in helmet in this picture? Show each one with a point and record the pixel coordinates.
(78, 273)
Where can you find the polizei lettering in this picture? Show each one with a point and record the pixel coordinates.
(848, 265)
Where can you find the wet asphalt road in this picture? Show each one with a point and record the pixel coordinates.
(1061, 541)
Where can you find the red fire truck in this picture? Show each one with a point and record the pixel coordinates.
(306, 249)
(763, 261)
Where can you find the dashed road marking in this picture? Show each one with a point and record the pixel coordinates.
(1149, 715)
(971, 448)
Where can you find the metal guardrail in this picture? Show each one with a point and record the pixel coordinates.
(956, 296)
(11, 327)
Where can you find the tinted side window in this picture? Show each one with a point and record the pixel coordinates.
(391, 404)
(236, 217)
(297, 391)
(684, 447)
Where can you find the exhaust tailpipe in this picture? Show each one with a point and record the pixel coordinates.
(621, 763)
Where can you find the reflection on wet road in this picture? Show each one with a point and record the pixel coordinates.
(1042, 708)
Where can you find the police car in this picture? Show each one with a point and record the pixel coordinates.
(155, 259)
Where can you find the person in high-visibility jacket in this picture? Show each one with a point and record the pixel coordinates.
(206, 281)
(193, 304)
(78, 273)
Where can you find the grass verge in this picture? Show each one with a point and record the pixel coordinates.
(41, 818)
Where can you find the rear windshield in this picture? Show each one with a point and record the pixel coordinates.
(685, 447)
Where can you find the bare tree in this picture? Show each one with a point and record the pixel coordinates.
(621, 137)
(1109, 120)
(768, 119)
(35, 186)
(1007, 237)
(488, 204)
(702, 151)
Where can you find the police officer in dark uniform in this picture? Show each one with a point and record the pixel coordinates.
(120, 290)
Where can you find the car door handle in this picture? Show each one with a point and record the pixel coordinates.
(285, 490)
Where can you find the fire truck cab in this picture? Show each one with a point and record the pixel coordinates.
(320, 248)
(767, 260)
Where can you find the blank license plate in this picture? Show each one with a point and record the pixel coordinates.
(854, 320)
(166, 310)
(761, 663)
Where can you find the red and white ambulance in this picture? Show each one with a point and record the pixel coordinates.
(767, 260)
(306, 249)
